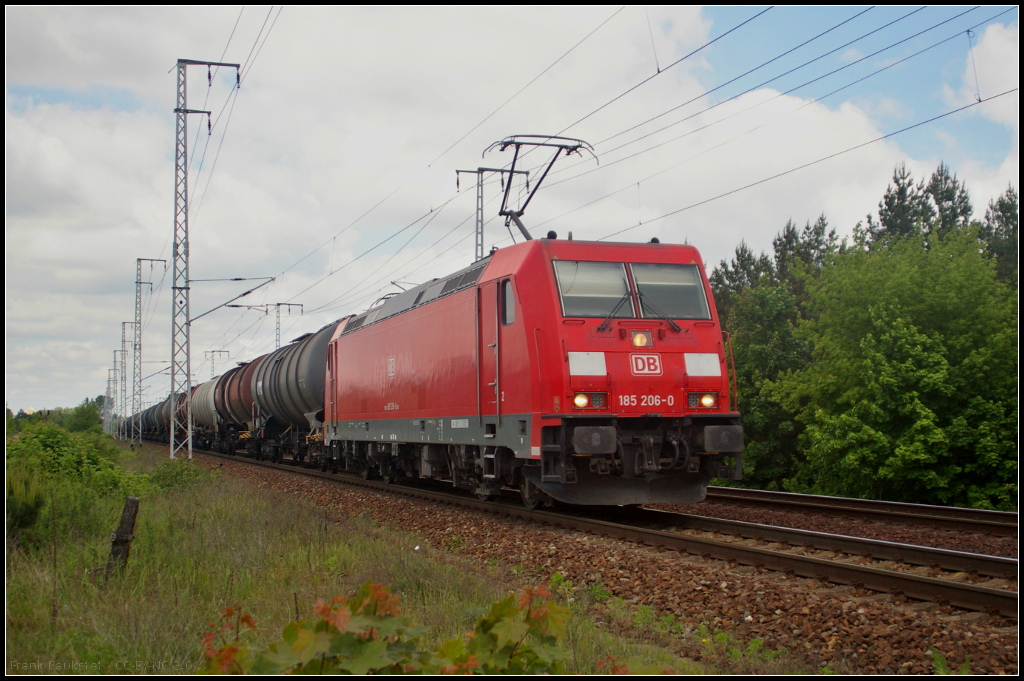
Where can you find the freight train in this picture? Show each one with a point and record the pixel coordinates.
(590, 373)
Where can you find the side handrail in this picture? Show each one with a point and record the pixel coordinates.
(735, 401)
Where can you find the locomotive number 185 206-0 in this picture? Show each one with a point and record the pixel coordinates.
(646, 400)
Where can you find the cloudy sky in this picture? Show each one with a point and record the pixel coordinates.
(332, 167)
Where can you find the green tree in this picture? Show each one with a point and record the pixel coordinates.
(763, 296)
(912, 392)
(766, 348)
(1000, 234)
(904, 211)
(85, 418)
(729, 280)
(952, 202)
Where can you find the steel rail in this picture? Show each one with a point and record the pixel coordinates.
(1001, 523)
(946, 559)
(958, 594)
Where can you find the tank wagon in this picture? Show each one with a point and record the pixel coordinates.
(590, 373)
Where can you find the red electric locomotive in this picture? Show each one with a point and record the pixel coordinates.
(587, 372)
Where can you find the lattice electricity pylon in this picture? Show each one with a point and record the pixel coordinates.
(107, 401)
(181, 361)
(567, 144)
(266, 310)
(122, 427)
(136, 424)
(212, 354)
(115, 408)
(479, 172)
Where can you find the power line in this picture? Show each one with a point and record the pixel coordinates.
(233, 98)
(776, 58)
(206, 99)
(782, 94)
(245, 73)
(667, 68)
(743, 134)
(535, 78)
(433, 214)
(341, 300)
(737, 96)
(807, 165)
(224, 134)
(403, 185)
(246, 62)
(631, 89)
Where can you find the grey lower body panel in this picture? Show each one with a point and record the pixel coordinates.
(513, 432)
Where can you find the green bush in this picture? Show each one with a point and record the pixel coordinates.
(365, 634)
(176, 473)
(24, 500)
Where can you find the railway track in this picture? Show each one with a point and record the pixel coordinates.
(639, 527)
(1000, 523)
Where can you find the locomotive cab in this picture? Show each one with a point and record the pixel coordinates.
(643, 412)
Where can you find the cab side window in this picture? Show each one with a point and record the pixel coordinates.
(508, 303)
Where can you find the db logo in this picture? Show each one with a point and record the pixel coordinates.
(645, 364)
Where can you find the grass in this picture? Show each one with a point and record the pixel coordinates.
(209, 542)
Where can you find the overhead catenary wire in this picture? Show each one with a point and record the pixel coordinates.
(773, 59)
(749, 90)
(345, 298)
(342, 300)
(648, 79)
(534, 80)
(432, 214)
(452, 146)
(664, 70)
(747, 132)
(245, 70)
(206, 98)
(255, 42)
(811, 163)
(719, 37)
(232, 99)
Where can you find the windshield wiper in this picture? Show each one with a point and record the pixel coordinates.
(606, 324)
(657, 311)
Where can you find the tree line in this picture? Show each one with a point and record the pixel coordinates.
(86, 417)
(883, 366)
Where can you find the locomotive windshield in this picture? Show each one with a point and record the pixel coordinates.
(602, 289)
(673, 291)
(593, 289)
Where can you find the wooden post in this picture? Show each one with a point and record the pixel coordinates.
(121, 539)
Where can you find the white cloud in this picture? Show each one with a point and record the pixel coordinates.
(997, 64)
(341, 108)
(994, 68)
(852, 54)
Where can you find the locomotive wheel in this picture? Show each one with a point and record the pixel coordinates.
(387, 475)
(531, 494)
(484, 496)
(366, 473)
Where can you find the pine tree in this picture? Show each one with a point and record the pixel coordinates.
(952, 202)
(903, 211)
(1000, 234)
